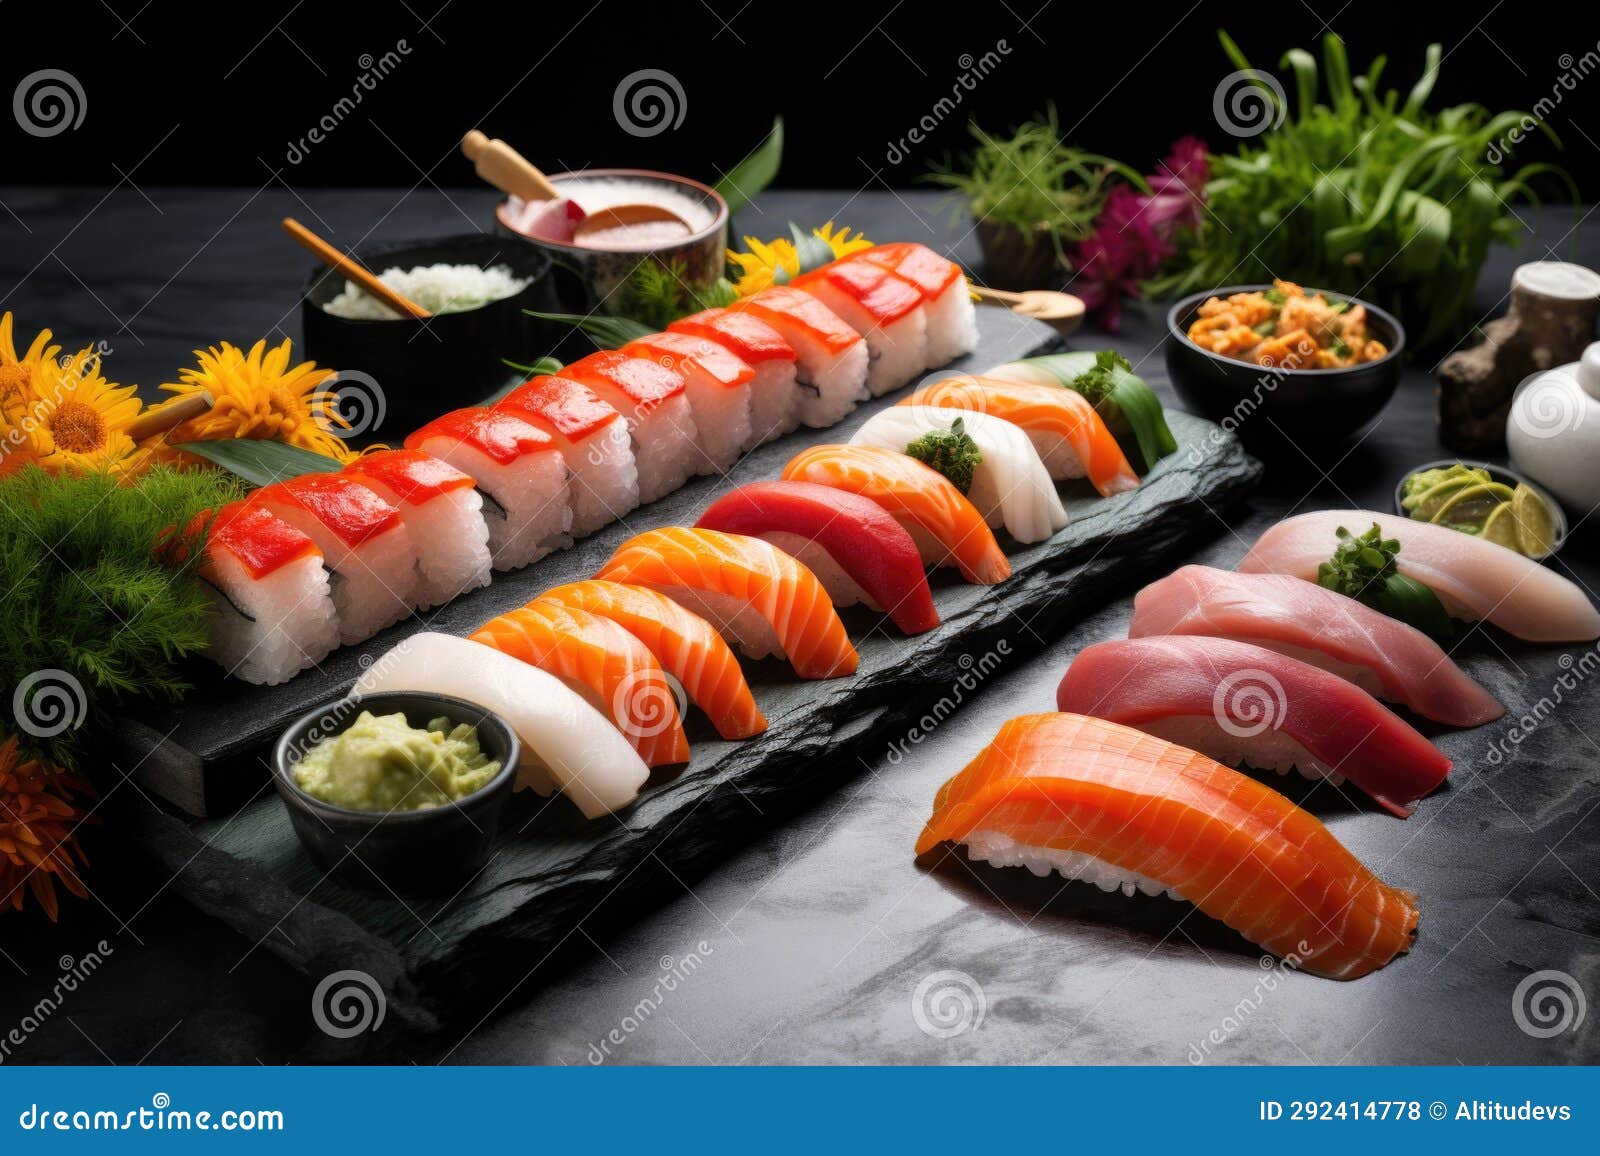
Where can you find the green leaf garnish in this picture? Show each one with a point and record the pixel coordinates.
(755, 172)
(952, 452)
(1096, 383)
(1364, 567)
(261, 462)
(607, 332)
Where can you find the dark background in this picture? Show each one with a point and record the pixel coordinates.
(187, 93)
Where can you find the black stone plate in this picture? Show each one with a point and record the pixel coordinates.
(552, 870)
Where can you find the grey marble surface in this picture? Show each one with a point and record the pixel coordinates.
(823, 941)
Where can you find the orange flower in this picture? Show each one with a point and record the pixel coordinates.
(38, 819)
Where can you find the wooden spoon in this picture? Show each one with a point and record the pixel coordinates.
(1061, 311)
(509, 171)
(354, 270)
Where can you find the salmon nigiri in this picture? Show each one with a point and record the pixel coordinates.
(761, 599)
(1072, 439)
(602, 661)
(1109, 805)
(687, 646)
(945, 526)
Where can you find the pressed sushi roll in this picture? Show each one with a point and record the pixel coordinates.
(603, 475)
(567, 744)
(1010, 484)
(521, 479)
(1382, 655)
(952, 320)
(831, 358)
(853, 545)
(719, 391)
(758, 597)
(602, 662)
(655, 401)
(1113, 806)
(687, 646)
(1474, 579)
(1241, 703)
(1070, 437)
(273, 613)
(364, 541)
(774, 395)
(444, 514)
(885, 310)
(948, 530)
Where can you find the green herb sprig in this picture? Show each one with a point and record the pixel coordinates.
(1364, 567)
(952, 452)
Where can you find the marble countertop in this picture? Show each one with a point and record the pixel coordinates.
(822, 941)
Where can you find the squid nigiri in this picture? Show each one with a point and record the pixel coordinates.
(567, 745)
(1113, 806)
(600, 659)
(758, 597)
(686, 645)
(774, 396)
(1071, 438)
(1474, 579)
(947, 529)
(831, 358)
(1384, 657)
(855, 548)
(1009, 483)
(1241, 703)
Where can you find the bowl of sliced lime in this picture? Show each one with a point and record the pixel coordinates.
(1489, 501)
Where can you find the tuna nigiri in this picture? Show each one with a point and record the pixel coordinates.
(947, 529)
(855, 548)
(364, 541)
(593, 438)
(655, 403)
(602, 661)
(1241, 703)
(567, 745)
(952, 321)
(774, 396)
(760, 598)
(1009, 483)
(1113, 806)
(1382, 656)
(831, 366)
(884, 309)
(1474, 579)
(687, 646)
(442, 510)
(521, 478)
(718, 390)
(1071, 438)
(273, 614)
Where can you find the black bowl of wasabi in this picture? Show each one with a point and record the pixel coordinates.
(397, 792)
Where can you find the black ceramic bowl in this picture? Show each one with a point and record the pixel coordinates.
(1502, 474)
(411, 371)
(408, 852)
(1314, 404)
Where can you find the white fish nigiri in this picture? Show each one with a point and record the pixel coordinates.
(1011, 486)
(567, 745)
(1474, 579)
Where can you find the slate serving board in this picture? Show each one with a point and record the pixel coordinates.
(552, 870)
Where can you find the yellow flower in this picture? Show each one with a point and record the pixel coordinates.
(258, 395)
(69, 417)
(16, 373)
(778, 262)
